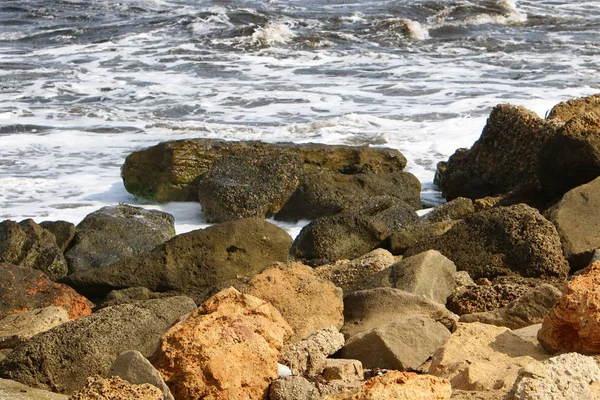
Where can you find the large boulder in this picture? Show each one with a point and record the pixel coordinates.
(249, 183)
(29, 245)
(531, 308)
(514, 240)
(226, 349)
(402, 239)
(62, 358)
(369, 309)
(113, 233)
(404, 344)
(577, 221)
(193, 263)
(133, 367)
(63, 231)
(511, 138)
(566, 110)
(573, 324)
(18, 328)
(571, 157)
(26, 289)
(482, 357)
(338, 237)
(308, 303)
(11, 390)
(458, 208)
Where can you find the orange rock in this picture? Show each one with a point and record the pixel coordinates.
(397, 385)
(25, 289)
(573, 324)
(226, 349)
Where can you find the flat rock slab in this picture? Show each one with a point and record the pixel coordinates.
(11, 390)
(18, 328)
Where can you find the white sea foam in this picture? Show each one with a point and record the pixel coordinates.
(272, 33)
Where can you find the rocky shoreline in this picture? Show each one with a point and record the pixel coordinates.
(492, 295)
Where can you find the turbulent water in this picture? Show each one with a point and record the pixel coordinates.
(85, 82)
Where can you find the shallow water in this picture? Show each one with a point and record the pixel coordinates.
(85, 82)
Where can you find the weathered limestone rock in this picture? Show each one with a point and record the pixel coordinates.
(249, 183)
(428, 274)
(63, 231)
(571, 157)
(26, 289)
(307, 302)
(574, 322)
(134, 368)
(567, 376)
(115, 388)
(29, 245)
(193, 263)
(502, 241)
(459, 208)
(529, 309)
(511, 138)
(396, 385)
(482, 357)
(369, 309)
(11, 390)
(62, 358)
(353, 275)
(226, 349)
(402, 239)
(115, 297)
(113, 233)
(308, 356)
(338, 237)
(576, 219)
(342, 369)
(293, 387)
(18, 328)
(404, 344)
(566, 110)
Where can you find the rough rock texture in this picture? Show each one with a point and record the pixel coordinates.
(393, 212)
(483, 357)
(350, 275)
(115, 388)
(171, 170)
(459, 208)
(489, 295)
(502, 241)
(368, 309)
(63, 231)
(568, 376)
(11, 390)
(428, 274)
(573, 324)
(566, 110)
(529, 309)
(226, 349)
(404, 344)
(112, 233)
(249, 183)
(28, 245)
(308, 356)
(293, 387)
(307, 302)
(511, 138)
(572, 157)
(195, 262)
(115, 297)
(342, 369)
(62, 358)
(338, 237)
(396, 385)
(577, 221)
(133, 367)
(18, 328)
(402, 239)
(25, 289)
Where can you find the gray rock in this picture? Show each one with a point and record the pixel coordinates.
(404, 344)
(402, 239)
(529, 309)
(513, 240)
(112, 233)
(11, 390)
(62, 358)
(115, 297)
(293, 387)
(368, 309)
(134, 368)
(16, 329)
(193, 263)
(343, 369)
(27, 244)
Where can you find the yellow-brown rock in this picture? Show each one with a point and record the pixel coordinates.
(225, 349)
(397, 385)
(308, 303)
(115, 388)
(573, 324)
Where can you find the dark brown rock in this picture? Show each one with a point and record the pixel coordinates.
(63, 231)
(402, 239)
(458, 208)
(566, 110)
(26, 289)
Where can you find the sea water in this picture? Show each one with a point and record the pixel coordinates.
(83, 83)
